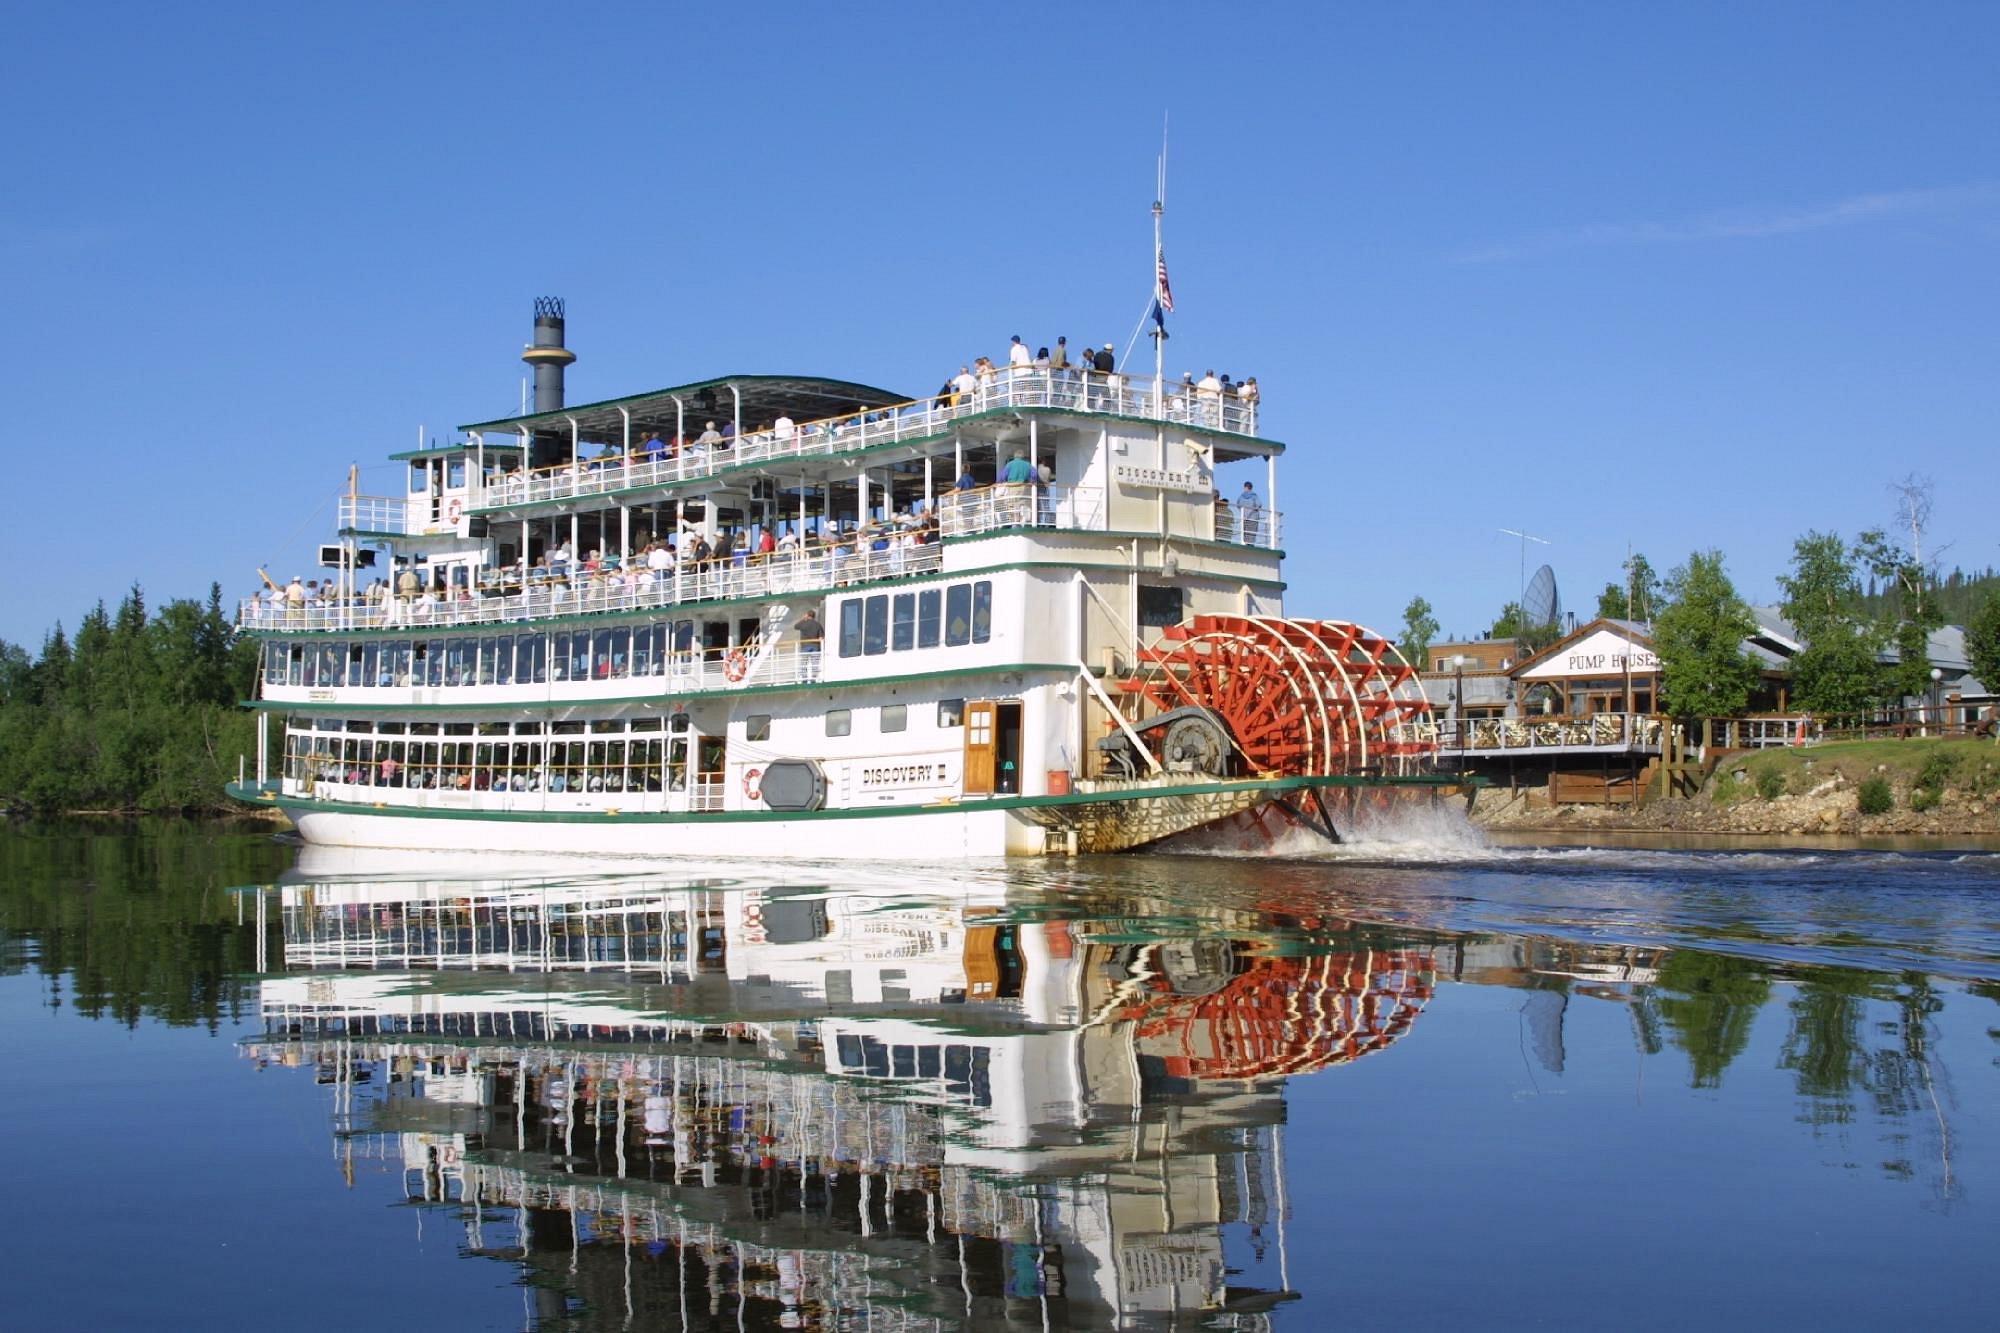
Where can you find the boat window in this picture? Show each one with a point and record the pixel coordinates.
(420, 477)
(958, 615)
(455, 475)
(757, 727)
(839, 722)
(875, 632)
(895, 717)
(850, 627)
(951, 712)
(982, 611)
(1159, 607)
(677, 722)
(532, 659)
(930, 605)
(903, 622)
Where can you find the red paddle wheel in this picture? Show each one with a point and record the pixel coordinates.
(1299, 697)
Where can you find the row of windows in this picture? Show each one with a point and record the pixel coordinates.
(617, 653)
(620, 765)
(956, 615)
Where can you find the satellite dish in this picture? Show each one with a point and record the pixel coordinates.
(1542, 604)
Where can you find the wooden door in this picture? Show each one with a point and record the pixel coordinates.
(980, 746)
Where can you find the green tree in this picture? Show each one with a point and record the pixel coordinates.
(1982, 641)
(1614, 603)
(1419, 628)
(1836, 671)
(1704, 671)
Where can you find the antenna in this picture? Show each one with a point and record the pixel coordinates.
(1525, 537)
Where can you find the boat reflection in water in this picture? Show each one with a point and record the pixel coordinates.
(684, 1099)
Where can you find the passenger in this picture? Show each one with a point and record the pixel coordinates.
(1059, 358)
(1249, 514)
(966, 481)
(1042, 359)
(710, 438)
(811, 633)
(963, 384)
(654, 448)
(1018, 356)
(782, 429)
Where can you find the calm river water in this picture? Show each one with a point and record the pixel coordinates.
(1426, 1082)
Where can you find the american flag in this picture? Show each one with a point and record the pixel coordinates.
(1166, 291)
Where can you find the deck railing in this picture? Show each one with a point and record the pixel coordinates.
(1026, 387)
(672, 671)
(585, 594)
(374, 513)
(1635, 731)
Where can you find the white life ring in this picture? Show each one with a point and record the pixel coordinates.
(736, 666)
(454, 511)
(753, 784)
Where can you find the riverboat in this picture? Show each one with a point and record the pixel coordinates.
(785, 615)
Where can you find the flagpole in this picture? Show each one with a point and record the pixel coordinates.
(1159, 330)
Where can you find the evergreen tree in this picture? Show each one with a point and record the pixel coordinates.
(1614, 603)
(1704, 671)
(139, 713)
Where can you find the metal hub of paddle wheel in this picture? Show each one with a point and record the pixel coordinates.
(1314, 698)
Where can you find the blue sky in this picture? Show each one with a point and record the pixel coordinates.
(1666, 276)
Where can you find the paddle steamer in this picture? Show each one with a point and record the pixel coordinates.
(783, 615)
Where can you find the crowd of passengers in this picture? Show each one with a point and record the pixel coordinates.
(1201, 401)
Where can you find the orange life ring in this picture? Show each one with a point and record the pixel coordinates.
(736, 666)
(454, 511)
(753, 784)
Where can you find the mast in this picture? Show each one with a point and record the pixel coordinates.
(1159, 319)
(1163, 298)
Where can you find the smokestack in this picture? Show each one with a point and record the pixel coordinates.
(547, 354)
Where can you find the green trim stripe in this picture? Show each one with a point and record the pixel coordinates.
(250, 793)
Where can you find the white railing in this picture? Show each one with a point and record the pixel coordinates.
(1065, 390)
(374, 513)
(560, 594)
(673, 672)
(709, 794)
(1026, 505)
(1636, 731)
(1248, 527)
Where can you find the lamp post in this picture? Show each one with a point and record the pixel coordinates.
(1937, 706)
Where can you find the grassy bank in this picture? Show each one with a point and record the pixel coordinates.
(1915, 773)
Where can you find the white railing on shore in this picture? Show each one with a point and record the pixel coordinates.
(1637, 731)
(562, 595)
(1066, 390)
(374, 513)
